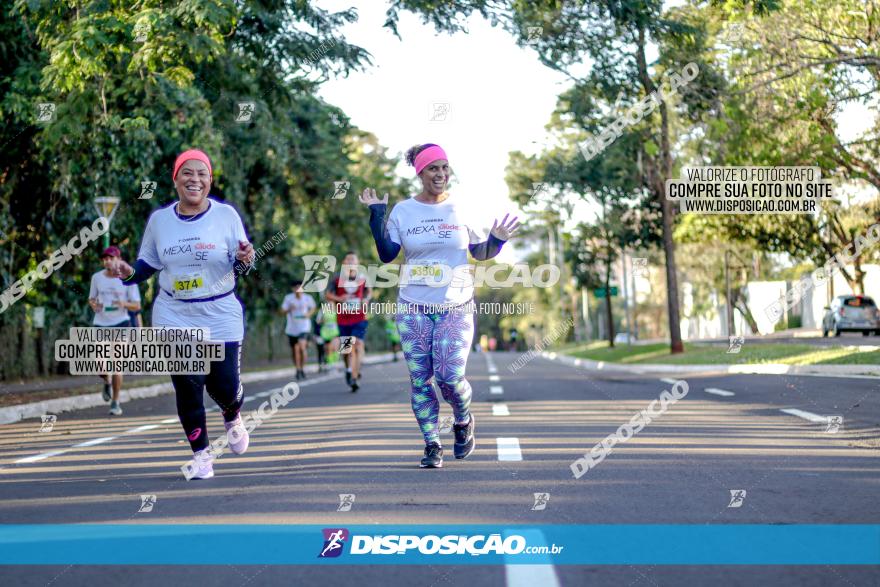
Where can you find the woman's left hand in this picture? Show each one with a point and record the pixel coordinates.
(245, 252)
(506, 229)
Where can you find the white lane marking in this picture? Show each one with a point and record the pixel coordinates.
(494, 378)
(40, 457)
(248, 399)
(543, 574)
(721, 392)
(496, 389)
(493, 369)
(669, 381)
(144, 428)
(500, 410)
(806, 415)
(508, 449)
(95, 441)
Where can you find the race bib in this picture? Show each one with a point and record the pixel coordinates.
(425, 272)
(190, 286)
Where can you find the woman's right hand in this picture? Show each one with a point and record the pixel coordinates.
(369, 197)
(120, 268)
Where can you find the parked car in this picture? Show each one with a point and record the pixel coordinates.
(624, 338)
(851, 314)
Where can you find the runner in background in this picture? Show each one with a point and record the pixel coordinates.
(330, 335)
(393, 336)
(349, 291)
(317, 321)
(298, 307)
(111, 302)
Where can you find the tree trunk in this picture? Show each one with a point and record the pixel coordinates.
(608, 314)
(663, 171)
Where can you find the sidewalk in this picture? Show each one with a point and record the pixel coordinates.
(10, 414)
(851, 371)
(788, 333)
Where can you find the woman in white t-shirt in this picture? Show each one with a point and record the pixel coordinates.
(435, 230)
(198, 245)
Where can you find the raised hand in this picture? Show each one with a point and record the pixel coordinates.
(245, 252)
(506, 229)
(119, 268)
(369, 197)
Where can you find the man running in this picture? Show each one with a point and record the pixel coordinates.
(435, 230)
(195, 244)
(298, 307)
(112, 302)
(350, 293)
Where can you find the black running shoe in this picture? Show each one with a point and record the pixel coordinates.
(354, 386)
(107, 392)
(433, 458)
(348, 379)
(464, 439)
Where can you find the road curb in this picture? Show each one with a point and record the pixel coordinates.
(12, 414)
(853, 371)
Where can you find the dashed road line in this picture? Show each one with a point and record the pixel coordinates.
(496, 389)
(816, 418)
(721, 392)
(508, 449)
(500, 410)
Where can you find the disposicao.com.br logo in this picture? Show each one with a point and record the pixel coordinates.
(475, 545)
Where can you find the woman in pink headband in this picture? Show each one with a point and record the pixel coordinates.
(198, 245)
(435, 320)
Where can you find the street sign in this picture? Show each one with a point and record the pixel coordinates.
(600, 292)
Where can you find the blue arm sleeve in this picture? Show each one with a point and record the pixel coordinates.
(142, 272)
(387, 248)
(487, 249)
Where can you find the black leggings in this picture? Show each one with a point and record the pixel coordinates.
(224, 387)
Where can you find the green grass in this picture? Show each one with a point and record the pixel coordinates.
(703, 354)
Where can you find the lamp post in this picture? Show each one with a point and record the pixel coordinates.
(106, 207)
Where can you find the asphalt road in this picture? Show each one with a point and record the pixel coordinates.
(680, 469)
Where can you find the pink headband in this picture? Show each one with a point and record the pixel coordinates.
(427, 156)
(188, 156)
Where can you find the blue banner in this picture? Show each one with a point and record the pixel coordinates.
(130, 544)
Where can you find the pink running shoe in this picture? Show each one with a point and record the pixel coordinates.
(201, 467)
(237, 435)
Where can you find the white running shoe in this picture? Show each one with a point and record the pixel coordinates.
(115, 410)
(201, 466)
(237, 435)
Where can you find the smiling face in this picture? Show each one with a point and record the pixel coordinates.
(435, 176)
(193, 182)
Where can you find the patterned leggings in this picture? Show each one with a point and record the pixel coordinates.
(436, 347)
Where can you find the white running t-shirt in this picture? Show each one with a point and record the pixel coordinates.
(435, 237)
(297, 310)
(195, 259)
(108, 290)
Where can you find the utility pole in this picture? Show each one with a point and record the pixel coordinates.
(625, 299)
(728, 305)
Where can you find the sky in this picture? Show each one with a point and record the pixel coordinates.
(499, 97)
(476, 94)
